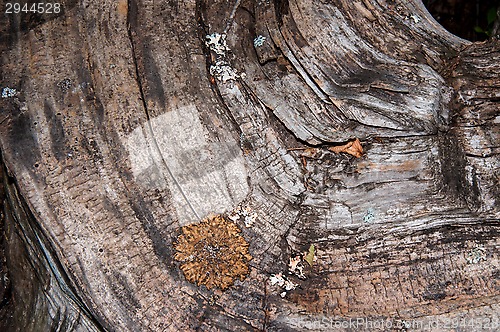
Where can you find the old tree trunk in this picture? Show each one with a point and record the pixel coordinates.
(128, 123)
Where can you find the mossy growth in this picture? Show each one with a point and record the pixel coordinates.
(213, 252)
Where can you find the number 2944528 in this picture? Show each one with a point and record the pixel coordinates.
(38, 8)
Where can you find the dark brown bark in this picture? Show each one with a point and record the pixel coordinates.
(129, 123)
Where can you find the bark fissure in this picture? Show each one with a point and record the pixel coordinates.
(204, 32)
(131, 26)
(36, 243)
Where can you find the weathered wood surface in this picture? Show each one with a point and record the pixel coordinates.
(119, 136)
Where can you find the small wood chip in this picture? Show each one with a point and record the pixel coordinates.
(353, 148)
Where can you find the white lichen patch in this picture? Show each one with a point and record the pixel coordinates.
(244, 213)
(217, 43)
(277, 279)
(476, 255)
(283, 282)
(259, 41)
(222, 69)
(369, 216)
(294, 263)
(295, 266)
(8, 92)
(289, 285)
(65, 84)
(415, 18)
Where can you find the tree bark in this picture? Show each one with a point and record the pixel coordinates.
(131, 119)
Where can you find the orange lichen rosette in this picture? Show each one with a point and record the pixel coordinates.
(212, 252)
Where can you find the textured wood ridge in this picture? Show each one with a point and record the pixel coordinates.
(122, 132)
